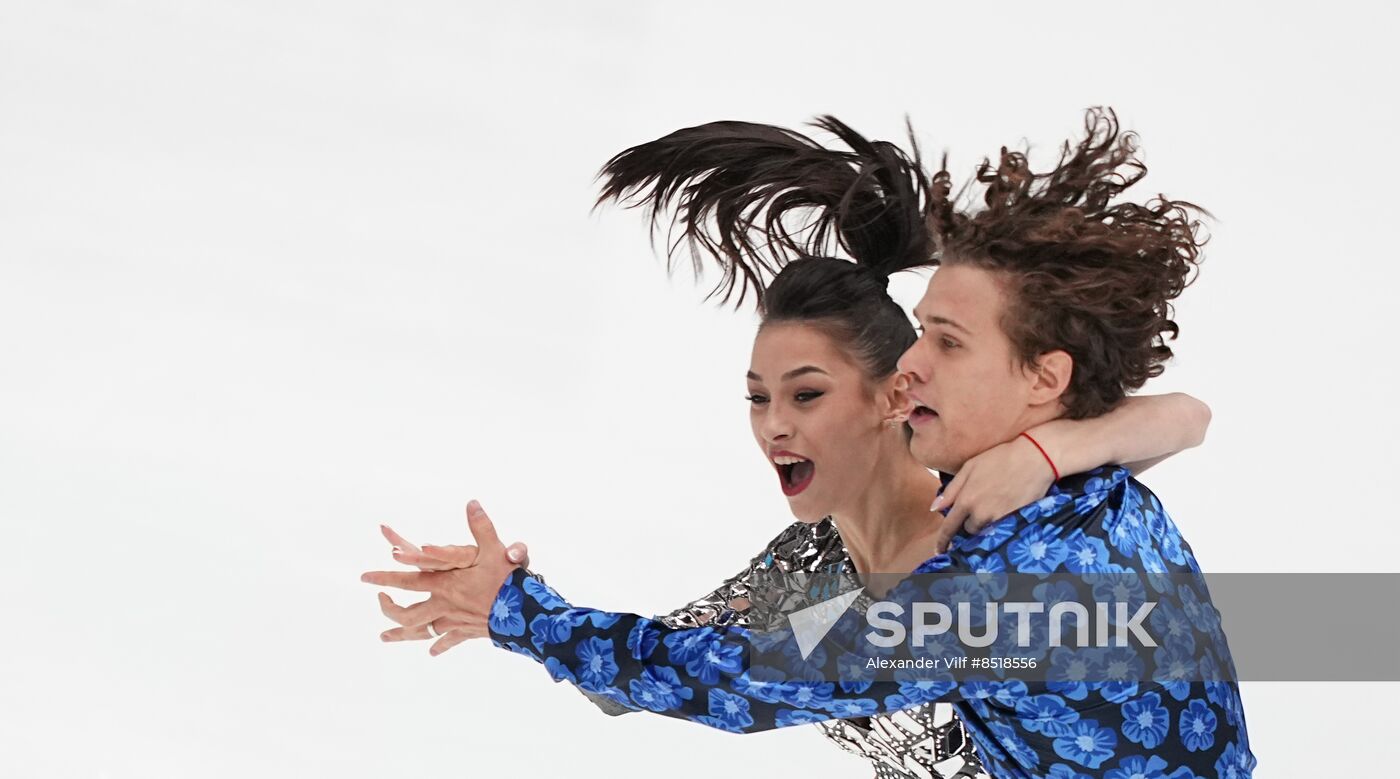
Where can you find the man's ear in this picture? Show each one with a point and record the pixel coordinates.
(1050, 376)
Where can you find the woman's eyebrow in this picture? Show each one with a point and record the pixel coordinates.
(794, 373)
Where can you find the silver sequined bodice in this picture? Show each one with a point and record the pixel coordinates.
(927, 741)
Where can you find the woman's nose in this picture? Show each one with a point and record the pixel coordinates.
(776, 426)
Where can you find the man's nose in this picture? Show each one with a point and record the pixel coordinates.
(912, 364)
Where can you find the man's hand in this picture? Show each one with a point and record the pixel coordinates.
(461, 596)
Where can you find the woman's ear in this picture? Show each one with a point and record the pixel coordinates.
(895, 403)
(1050, 376)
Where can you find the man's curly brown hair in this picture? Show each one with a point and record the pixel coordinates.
(1080, 273)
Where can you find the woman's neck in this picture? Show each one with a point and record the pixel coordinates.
(888, 530)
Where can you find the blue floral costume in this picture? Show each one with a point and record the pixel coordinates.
(1077, 724)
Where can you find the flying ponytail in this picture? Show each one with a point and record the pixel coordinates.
(735, 187)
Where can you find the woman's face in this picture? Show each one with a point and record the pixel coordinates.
(816, 416)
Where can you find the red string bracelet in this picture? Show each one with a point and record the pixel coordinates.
(1053, 469)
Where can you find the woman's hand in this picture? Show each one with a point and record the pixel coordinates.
(990, 486)
(461, 597)
(435, 558)
(442, 558)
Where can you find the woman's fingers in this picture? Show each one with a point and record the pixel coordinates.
(442, 558)
(978, 522)
(949, 495)
(448, 641)
(458, 555)
(944, 506)
(389, 608)
(429, 557)
(943, 536)
(397, 540)
(517, 553)
(442, 625)
(957, 516)
(417, 614)
(419, 582)
(481, 528)
(436, 558)
(448, 624)
(423, 561)
(415, 633)
(949, 527)
(408, 553)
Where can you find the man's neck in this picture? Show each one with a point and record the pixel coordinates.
(1029, 417)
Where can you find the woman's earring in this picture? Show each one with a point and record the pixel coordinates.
(892, 423)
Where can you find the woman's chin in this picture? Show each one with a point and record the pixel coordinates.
(806, 511)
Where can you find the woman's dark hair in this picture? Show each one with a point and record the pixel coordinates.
(735, 187)
(1091, 278)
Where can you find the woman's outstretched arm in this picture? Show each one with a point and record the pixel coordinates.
(724, 605)
(705, 674)
(719, 606)
(702, 674)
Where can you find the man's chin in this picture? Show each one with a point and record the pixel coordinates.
(932, 456)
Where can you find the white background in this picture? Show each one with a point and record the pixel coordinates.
(274, 273)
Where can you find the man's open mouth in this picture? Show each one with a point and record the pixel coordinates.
(921, 415)
(795, 472)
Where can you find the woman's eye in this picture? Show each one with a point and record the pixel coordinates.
(757, 399)
(949, 343)
(803, 397)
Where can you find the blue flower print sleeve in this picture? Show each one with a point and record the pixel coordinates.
(1088, 713)
(699, 674)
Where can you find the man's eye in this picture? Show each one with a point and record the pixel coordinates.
(757, 399)
(803, 397)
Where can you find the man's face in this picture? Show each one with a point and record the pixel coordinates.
(969, 392)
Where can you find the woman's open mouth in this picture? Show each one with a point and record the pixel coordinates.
(795, 472)
(922, 415)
